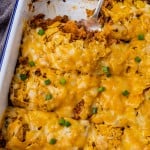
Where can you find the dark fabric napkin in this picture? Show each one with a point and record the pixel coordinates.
(6, 7)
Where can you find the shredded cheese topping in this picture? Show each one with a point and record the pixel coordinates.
(76, 90)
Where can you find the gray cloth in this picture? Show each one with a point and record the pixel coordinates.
(6, 7)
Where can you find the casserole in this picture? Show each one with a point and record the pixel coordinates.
(70, 92)
(74, 9)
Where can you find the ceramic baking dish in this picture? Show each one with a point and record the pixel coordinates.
(23, 10)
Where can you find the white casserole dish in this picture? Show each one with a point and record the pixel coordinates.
(75, 9)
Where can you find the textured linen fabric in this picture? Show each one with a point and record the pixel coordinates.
(6, 7)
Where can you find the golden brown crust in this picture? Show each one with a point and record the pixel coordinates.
(78, 109)
(76, 29)
(39, 21)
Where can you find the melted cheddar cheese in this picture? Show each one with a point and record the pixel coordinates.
(64, 97)
(97, 83)
(35, 129)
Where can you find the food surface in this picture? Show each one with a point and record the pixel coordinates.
(43, 130)
(80, 90)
